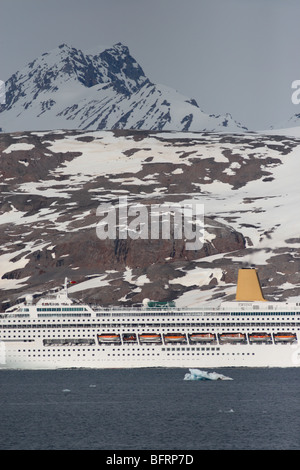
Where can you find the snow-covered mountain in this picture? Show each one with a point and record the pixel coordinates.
(68, 89)
(289, 127)
(53, 182)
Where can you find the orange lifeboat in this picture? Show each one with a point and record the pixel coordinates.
(150, 338)
(109, 338)
(232, 337)
(202, 337)
(285, 337)
(174, 338)
(260, 338)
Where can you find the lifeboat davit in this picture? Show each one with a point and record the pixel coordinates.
(129, 338)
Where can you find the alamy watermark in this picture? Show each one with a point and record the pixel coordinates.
(182, 221)
(2, 92)
(296, 94)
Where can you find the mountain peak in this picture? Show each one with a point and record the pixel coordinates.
(120, 47)
(104, 88)
(59, 50)
(63, 46)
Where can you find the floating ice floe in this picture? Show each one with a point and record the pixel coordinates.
(196, 374)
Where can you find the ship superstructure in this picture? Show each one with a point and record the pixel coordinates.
(57, 332)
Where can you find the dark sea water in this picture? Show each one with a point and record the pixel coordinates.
(151, 409)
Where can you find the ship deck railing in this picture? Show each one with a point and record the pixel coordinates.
(159, 311)
(115, 311)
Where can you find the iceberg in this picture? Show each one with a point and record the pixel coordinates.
(196, 374)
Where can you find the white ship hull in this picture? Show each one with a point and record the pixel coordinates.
(227, 356)
(58, 333)
(49, 344)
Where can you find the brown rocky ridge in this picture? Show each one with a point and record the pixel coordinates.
(52, 184)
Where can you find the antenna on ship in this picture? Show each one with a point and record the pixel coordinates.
(66, 286)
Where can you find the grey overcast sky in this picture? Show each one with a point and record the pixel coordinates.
(236, 56)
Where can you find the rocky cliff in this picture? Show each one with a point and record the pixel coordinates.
(53, 183)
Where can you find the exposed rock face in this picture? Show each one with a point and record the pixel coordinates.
(52, 184)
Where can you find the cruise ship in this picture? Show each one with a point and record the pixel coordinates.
(58, 332)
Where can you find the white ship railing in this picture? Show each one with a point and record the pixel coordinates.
(115, 311)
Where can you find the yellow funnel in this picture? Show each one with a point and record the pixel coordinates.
(248, 286)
